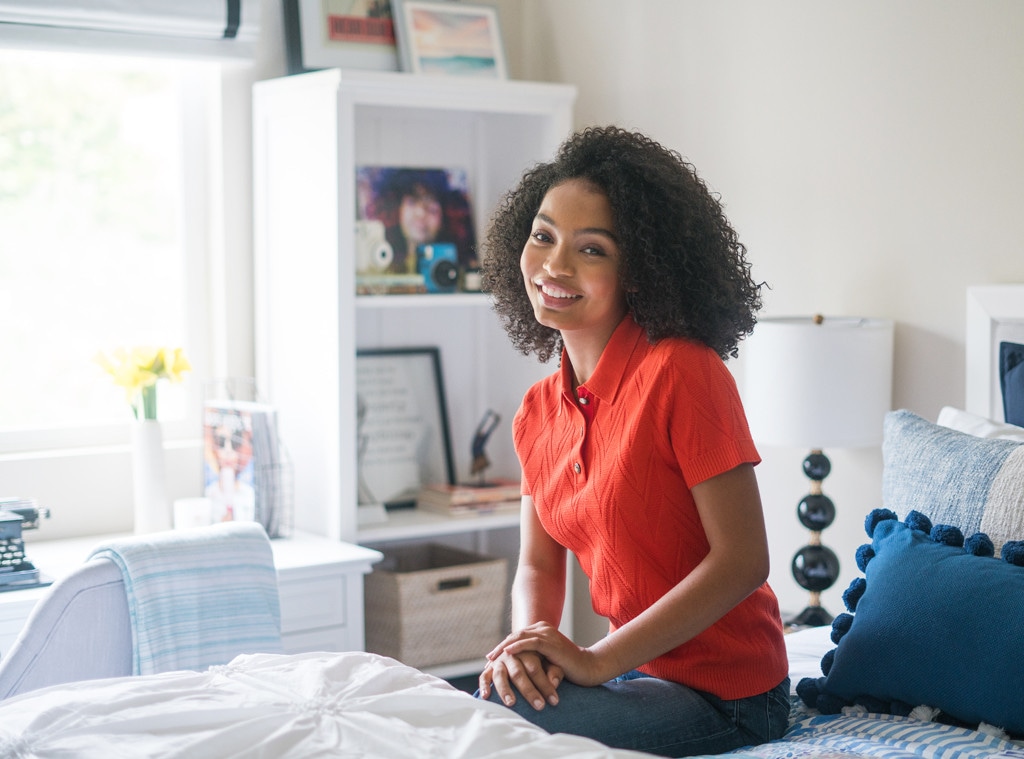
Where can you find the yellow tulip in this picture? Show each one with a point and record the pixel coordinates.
(101, 360)
(138, 371)
(178, 366)
(148, 359)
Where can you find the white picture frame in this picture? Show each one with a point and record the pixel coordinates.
(449, 39)
(995, 314)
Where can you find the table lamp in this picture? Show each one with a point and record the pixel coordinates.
(817, 383)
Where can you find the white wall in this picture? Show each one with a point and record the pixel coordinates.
(870, 155)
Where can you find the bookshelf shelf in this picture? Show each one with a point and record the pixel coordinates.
(454, 300)
(405, 524)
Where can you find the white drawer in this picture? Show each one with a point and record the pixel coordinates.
(9, 630)
(17, 604)
(326, 639)
(312, 603)
(13, 613)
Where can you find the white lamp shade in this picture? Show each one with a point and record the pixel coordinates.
(818, 386)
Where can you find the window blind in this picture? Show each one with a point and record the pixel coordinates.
(187, 28)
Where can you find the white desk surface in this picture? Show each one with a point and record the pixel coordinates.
(55, 558)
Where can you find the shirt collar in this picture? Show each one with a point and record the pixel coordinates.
(611, 368)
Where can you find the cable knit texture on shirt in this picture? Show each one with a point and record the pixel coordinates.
(611, 480)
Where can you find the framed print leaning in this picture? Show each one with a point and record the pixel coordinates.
(449, 39)
(414, 230)
(355, 34)
(402, 425)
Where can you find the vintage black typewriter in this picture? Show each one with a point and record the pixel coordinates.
(16, 571)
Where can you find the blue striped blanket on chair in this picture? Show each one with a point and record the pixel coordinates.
(198, 597)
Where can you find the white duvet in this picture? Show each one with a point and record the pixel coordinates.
(304, 705)
(362, 705)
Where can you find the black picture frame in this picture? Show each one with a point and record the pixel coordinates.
(402, 434)
(310, 45)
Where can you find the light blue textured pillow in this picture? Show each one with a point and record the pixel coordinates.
(976, 484)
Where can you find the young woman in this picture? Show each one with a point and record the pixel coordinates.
(636, 457)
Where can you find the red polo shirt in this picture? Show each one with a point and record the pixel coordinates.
(610, 475)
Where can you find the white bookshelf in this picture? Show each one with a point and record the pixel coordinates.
(310, 133)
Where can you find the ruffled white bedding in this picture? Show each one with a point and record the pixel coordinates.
(363, 705)
(263, 705)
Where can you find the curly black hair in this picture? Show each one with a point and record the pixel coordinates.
(683, 267)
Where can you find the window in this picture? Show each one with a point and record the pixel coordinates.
(100, 244)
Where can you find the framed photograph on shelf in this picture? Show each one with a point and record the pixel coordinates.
(402, 425)
(321, 34)
(414, 230)
(449, 39)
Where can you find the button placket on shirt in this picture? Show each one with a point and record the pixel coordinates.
(585, 405)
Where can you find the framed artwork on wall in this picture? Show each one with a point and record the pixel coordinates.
(995, 315)
(449, 39)
(402, 425)
(356, 34)
(1011, 381)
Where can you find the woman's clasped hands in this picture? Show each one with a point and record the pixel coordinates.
(533, 661)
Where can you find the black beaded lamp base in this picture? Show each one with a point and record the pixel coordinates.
(815, 567)
(812, 616)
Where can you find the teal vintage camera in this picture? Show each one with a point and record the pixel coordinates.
(439, 264)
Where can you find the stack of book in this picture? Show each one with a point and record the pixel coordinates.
(500, 495)
(390, 284)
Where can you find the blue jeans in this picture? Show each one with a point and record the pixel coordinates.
(661, 717)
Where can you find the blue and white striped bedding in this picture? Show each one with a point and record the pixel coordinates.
(883, 736)
(866, 735)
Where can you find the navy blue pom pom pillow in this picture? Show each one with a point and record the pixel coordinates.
(938, 624)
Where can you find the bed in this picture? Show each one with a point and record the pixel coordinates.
(925, 662)
(969, 471)
(363, 705)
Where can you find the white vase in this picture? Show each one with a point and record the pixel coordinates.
(152, 507)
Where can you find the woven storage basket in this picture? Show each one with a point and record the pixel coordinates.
(430, 604)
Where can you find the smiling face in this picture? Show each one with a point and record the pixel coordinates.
(570, 264)
(420, 216)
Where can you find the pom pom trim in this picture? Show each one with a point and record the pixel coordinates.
(812, 690)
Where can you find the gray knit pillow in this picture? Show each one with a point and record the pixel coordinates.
(976, 484)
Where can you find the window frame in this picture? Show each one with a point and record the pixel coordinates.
(200, 93)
